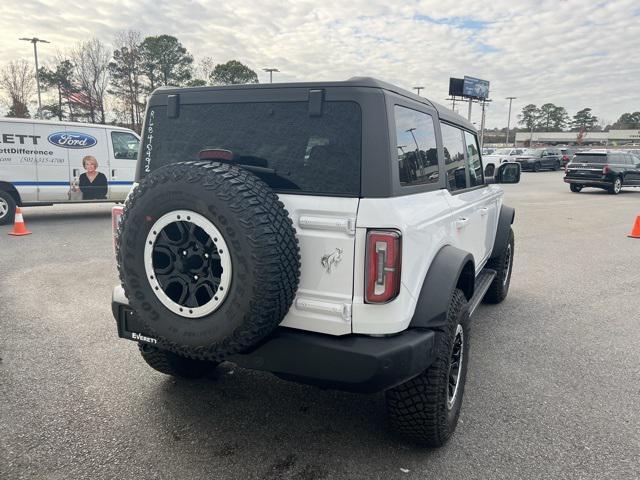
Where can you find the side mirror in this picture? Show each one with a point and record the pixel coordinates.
(508, 173)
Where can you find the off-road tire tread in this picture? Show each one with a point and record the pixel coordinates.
(497, 291)
(417, 409)
(277, 267)
(174, 365)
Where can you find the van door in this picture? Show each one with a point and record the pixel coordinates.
(89, 145)
(16, 167)
(53, 163)
(123, 152)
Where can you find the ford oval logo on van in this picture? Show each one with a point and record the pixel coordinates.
(72, 140)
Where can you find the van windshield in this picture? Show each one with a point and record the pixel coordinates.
(305, 154)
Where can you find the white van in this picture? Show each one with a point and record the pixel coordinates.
(45, 162)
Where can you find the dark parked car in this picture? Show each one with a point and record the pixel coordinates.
(535, 159)
(603, 169)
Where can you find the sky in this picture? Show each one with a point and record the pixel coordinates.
(573, 53)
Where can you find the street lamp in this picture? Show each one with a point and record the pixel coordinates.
(35, 41)
(418, 89)
(511, 99)
(270, 70)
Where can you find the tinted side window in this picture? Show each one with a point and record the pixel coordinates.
(473, 160)
(417, 149)
(125, 145)
(454, 157)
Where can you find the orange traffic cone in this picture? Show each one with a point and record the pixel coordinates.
(635, 231)
(19, 228)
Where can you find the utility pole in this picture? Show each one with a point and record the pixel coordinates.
(270, 70)
(511, 99)
(418, 89)
(35, 41)
(482, 125)
(469, 114)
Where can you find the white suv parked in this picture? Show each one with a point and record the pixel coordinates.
(499, 156)
(338, 234)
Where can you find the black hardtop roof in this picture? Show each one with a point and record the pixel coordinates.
(366, 82)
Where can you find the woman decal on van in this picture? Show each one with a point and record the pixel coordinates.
(92, 183)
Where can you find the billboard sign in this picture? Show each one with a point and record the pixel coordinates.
(475, 88)
(455, 87)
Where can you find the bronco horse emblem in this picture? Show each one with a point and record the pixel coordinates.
(331, 260)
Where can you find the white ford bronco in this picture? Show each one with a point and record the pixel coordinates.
(338, 234)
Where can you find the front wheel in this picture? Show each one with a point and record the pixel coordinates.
(575, 187)
(536, 166)
(426, 408)
(175, 365)
(7, 208)
(616, 187)
(503, 265)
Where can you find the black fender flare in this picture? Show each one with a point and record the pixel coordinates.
(505, 220)
(450, 268)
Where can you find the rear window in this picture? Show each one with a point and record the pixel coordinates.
(309, 154)
(590, 158)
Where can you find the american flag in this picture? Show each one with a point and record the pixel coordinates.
(78, 98)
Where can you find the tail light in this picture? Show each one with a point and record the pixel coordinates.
(116, 216)
(383, 261)
(606, 169)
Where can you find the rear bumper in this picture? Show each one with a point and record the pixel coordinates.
(355, 363)
(586, 181)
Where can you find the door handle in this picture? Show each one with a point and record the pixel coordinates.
(461, 222)
(75, 172)
(113, 174)
(484, 211)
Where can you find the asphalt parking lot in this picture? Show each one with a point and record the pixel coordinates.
(553, 387)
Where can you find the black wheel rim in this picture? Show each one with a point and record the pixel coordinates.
(507, 265)
(455, 367)
(187, 263)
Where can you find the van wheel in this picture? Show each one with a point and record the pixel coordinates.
(575, 187)
(7, 208)
(426, 408)
(173, 364)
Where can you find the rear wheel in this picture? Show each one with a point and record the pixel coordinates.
(616, 187)
(503, 265)
(426, 408)
(557, 166)
(7, 208)
(175, 365)
(575, 187)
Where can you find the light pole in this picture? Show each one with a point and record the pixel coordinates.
(511, 99)
(418, 89)
(270, 70)
(35, 41)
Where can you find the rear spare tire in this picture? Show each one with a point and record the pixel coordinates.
(208, 258)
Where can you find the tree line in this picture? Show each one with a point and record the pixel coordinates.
(552, 118)
(91, 82)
